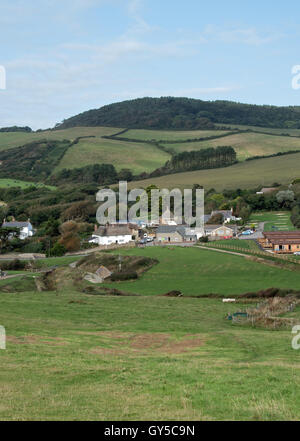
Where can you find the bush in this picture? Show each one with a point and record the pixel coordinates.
(203, 239)
(124, 276)
(13, 265)
(57, 250)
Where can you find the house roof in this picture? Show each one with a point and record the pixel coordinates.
(113, 230)
(167, 229)
(225, 213)
(16, 224)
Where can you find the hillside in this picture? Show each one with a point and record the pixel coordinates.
(184, 113)
(248, 174)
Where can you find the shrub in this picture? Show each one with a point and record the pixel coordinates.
(124, 276)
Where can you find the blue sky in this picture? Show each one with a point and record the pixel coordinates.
(63, 57)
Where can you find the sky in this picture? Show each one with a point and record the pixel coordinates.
(63, 57)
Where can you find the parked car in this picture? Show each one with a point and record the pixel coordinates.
(150, 239)
(297, 253)
(142, 241)
(247, 233)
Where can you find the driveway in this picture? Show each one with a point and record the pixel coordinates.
(257, 235)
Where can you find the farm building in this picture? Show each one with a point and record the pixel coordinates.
(281, 242)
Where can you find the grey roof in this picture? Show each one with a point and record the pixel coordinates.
(16, 224)
(225, 213)
(167, 229)
(113, 230)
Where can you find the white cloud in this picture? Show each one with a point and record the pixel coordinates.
(250, 36)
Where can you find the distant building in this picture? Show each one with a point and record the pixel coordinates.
(25, 228)
(267, 190)
(219, 231)
(281, 242)
(175, 234)
(111, 234)
(226, 214)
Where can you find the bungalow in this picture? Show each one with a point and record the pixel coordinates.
(25, 228)
(111, 234)
(219, 231)
(281, 242)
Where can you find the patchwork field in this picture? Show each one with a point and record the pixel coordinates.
(135, 156)
(249, 174)
(16, 139)
(273, 220)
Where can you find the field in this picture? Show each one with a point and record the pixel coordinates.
(280, 220)
(6, 183)
(170, 135)
(138, 157)
(249, 174)
(15, 139)
(245, 144)
(73, 356)
(194, 271)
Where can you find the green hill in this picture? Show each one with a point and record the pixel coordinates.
(184, 113)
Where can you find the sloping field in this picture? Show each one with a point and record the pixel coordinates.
(249, 174)
(245, 144)
(170, 135)
(16, 139)
(135, 156)
(6, 183)
(291, 132)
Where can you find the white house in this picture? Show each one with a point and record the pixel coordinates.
(111, 234)
(25, 228)
(227, 215)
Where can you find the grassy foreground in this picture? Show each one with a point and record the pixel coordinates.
(73, 356)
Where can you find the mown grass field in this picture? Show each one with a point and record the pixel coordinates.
(74, 356)
(195, 271)
(280, 220)
(249, 174)
(135, 156)
(246, 145)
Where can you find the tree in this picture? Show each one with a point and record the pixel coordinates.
(57, 250)
(7, 233)
(69, 236)
(285, 198)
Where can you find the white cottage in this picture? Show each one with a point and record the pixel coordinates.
(25, 228)
(111, 234)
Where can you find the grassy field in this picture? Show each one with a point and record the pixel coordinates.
(291, 132)
(71, 356)
(16, 139)
(281, 220)
(74, 356)
(135, 156)
(6, 183)
(197, 272)
(245, 144)
(170, 135)
(249, 174)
